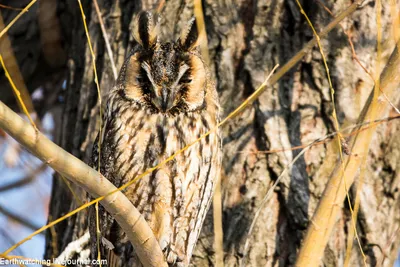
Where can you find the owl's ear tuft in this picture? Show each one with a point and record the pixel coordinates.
(146, 29)
(189, 38)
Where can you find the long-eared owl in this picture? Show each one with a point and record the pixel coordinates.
(163, 100)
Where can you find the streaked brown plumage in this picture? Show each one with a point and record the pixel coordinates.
(163, 100)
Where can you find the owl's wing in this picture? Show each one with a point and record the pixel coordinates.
(101, 160)
(212, 171)
(102, 147)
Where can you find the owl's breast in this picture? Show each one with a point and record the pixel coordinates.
(175, 197)
(143, 140)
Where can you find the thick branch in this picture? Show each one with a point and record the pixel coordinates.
(127, 216)
(325, 216)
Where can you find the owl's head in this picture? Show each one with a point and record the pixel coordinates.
(166, 77)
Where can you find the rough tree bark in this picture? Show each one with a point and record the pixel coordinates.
(246, 39)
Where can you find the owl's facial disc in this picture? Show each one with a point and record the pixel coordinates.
(165, 77)
(167, 85)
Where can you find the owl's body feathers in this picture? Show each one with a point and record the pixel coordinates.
(164, 100)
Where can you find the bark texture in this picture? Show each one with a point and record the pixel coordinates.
(246, 39)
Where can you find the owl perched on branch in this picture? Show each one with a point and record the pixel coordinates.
(163, 100)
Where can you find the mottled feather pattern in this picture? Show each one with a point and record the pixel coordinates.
(164, 100)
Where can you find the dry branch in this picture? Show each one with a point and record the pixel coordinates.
(3, 31)
(115, 202)
(106, 40)
(325, 216)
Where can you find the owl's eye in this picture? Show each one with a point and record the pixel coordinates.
(185, 80)
(144, 83)
(142, 79)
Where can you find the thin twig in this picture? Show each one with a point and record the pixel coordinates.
(266, 198)
(386, 250)
(337, 127)
(17, 93)
(96, 80)
(17, 18)
(390, 102)
(161, 5)
(327, 211)
(217, 201)
(106, 39)
(354, 54)
(74, 195)
(289, 167)
(329, 136)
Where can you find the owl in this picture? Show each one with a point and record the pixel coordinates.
(163, 100)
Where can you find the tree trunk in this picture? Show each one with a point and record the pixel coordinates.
(246, 39)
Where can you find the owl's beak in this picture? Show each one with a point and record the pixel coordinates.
(166, 100)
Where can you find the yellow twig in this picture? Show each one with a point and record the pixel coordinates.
(96, 80)
(51, 224)
(74, 195)
(54, 239)
(326, 138)
(377, 89)
(337, 128)
(353, 51)
(326, 214)
(17, 93)
(106, 39)
(217, 206)
(160, 6)
(350, 236)
(16, 18)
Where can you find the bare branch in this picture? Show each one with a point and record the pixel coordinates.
(328, 209)
(106, 39)
(17, 17)
(115, 202)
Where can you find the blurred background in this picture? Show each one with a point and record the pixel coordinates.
(35, 60)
